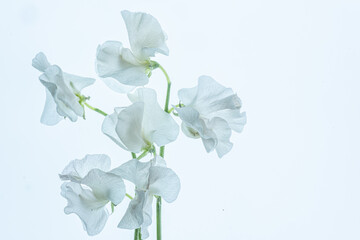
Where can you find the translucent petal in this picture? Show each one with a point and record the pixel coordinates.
(158, 126)
(83, 203)
(145, 35)
(112, 60)
(50, 116)
(129, 127)
(164, 182)
(109, 127)
(105, 185)
(40, 62)
(77, 169)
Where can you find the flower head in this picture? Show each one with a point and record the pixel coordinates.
(151, 179)
(122, 68)
(211, 111)
(139, 126)
(90, 189)
(62, 91)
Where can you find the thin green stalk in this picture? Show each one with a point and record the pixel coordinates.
(95, 109)
(158, 218)
(137, 234)
(162, 152)
(166, 108)
(129, 196)
(142, 155)
(133, 155)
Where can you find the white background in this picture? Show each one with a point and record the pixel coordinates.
(294, 171)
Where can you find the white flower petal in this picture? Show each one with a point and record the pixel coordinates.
(129, 127)
(79, 168)
(223, 133)
(164, 182)
(187, 95)
(83, 203)
(134, 171)
(77, 82)
(117, 86)
(147, 215)
(145, 34)
(133, 217)
(112, 60)
(109, 127)
(50, 116)
(68, 104)
(105, 185)
(40, 62)
(158, 126)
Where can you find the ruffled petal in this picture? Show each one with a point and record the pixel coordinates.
(77, 83)
(187, 95)
(223, 133)
(117, 86)
(134, 171)
(83, 203)
(129, 127)
(133, 217)
(105, 185)
(158, 126)
(109, 127)
(50, 116)
(112, 60)
(164, 182)
(77, 169)
(67, 103)
(145, 35)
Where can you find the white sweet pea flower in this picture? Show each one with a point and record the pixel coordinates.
(139, 126)
(151, 179)
(211, 111)
(124, 69)
(90, 189)
(62, 91)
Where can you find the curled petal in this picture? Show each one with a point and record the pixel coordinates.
(105, 185)
(77, 169)
(129, 127)
(50, 116)
(77, 83)
(112, 60)
(158, 126)
(83, 203)
(109, 127)
(67, 103)
(134, 171)
(145, 34)
(40, 62)
(164, 182)
(133, 217)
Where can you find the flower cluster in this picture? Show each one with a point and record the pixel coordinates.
(208, 111)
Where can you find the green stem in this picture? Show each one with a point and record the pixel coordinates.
(166, 108)
(158, 218)
(133, 155)
(129, 196)
(95, 109)
(137, 234)
(142, 155)
(162, 152)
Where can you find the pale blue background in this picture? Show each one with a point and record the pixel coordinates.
(294, 171)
